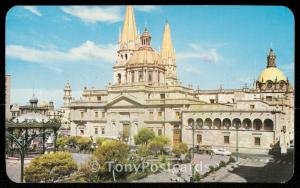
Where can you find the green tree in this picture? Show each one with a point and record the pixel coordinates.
(163, 139)
(50, 167)
(143, 136)
(143, 150)
(180, 148)
(158, 143)
(110, 151)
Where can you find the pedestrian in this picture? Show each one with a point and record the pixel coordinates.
(211, 155)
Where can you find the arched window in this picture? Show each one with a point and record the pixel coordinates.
(236, 123)
(269, 84)
(257, 124)
(125, 56)
(190, 122)
(226, 123)
(247, 124)
(208, 122)
(217, 123)
(268, 125)
(199, 123)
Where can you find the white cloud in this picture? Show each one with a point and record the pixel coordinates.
(198, 52)
(33, 9)
(145, 8)
(21, 96)
(88, 52)
(93, 14)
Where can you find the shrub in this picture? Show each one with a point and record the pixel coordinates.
(180, 148)
(197, 176)
(211, 168)
(61, 142)
(99, 141)
(72, 141)
(231, 160)
(163, 160)
(222, 164)
(84, 143)
(50, 167)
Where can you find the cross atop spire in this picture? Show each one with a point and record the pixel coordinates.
(129, 31)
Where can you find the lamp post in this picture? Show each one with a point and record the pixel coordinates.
(237, 124)
(192, 125)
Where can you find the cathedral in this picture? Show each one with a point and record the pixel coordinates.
(146, 92)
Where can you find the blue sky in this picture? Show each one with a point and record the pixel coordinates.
(228, 45)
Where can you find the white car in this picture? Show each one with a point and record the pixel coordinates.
(221, 152)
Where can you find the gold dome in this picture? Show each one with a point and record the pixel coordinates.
(145, 56)
(44, 104)
(271, 73)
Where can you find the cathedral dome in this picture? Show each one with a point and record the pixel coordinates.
(271, 73)
(145, 56)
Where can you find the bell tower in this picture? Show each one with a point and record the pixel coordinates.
(128, 43)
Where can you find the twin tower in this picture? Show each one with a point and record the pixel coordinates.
(137, 62)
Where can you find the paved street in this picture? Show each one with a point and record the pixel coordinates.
(13, 169)
(202, 165)
(256, 168)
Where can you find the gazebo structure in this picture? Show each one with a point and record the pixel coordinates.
(32, 123)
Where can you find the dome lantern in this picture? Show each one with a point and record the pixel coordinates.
(271, 59)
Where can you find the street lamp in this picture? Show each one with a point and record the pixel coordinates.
(191, 124)
(237, 125)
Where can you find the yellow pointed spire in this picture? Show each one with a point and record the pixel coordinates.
(167, 50)
(129, 32)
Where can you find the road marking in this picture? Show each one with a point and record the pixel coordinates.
(278, 161)
(283, 162)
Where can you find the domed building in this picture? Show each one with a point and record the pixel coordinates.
(44, 108)
(146, 93)
(145, 65)
(272, 78)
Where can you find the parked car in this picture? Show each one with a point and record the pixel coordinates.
(221, 152)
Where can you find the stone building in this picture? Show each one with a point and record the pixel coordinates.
(44, 108)
(146, 92)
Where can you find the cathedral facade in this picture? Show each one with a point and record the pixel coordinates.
(146, 92)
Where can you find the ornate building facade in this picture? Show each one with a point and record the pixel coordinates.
(146, 92)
